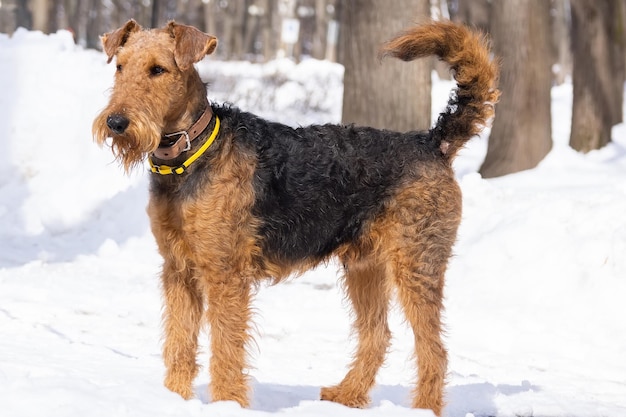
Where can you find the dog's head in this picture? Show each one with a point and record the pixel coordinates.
(157, 89)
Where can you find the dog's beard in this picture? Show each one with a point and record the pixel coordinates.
(131, 147)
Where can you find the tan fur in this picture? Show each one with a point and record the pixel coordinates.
(169, 105)
(209, 241)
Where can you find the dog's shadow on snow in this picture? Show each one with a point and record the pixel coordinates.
(475, 398)
(274, 397)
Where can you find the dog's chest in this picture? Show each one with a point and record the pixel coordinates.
(213, 222)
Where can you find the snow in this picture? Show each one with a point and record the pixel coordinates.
(534, 296)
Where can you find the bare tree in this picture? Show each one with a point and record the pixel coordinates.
(393, 94)
(521, 133)
(598, 75)
(319, 34)
(561, 24)
(248, 29)
(14, 14)
(617, 26)
(475, 13)
(40, 12)
(269, 28)
(233, 28)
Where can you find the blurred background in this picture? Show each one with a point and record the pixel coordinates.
(534, 294)
(540, 43)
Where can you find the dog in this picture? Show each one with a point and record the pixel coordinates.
(236, 199)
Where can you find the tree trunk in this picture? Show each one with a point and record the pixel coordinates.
(14, 14)
(93, 24)
(617, 26)
(392, 94)
(319, 36)
(561, 22)
(596, 104)
(40, 14)
(155, 13)
(234, 23)
(474, 13)
(521, 133)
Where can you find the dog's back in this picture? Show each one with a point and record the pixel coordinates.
(317, 187)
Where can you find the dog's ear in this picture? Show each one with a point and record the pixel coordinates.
(112, 41)
(191, 44)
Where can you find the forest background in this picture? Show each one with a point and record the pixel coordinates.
(540, 44)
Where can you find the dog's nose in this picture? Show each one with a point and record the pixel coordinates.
(117, 123)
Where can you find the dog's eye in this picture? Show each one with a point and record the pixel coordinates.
(157, 70)
(119, 68)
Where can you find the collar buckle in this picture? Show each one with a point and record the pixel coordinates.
(181, 133)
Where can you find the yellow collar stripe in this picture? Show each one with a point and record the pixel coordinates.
(166, 169)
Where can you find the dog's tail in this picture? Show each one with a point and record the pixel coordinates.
(471, 106)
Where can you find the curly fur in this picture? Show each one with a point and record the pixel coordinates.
(267, 200)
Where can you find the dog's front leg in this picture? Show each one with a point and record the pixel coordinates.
(228, 317)
(181, 322)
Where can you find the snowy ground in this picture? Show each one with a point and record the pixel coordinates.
(535, 293)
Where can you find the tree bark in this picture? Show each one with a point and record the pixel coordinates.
(392, 94)
(319, 36)
(521, 133)
(561, 23)
(598, 77)
(475, 13)
(39, 9)
(617, 27)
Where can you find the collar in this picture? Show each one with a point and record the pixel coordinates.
(169, 150)
(166, 169)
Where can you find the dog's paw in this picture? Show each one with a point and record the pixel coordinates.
(179, 385)
(347, 397)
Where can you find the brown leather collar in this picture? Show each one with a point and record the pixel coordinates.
(168, 151)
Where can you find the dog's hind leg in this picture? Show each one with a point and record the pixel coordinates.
(366, 288)
(420, 240)
(421, 297)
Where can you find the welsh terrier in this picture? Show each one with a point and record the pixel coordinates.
(236, 199)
